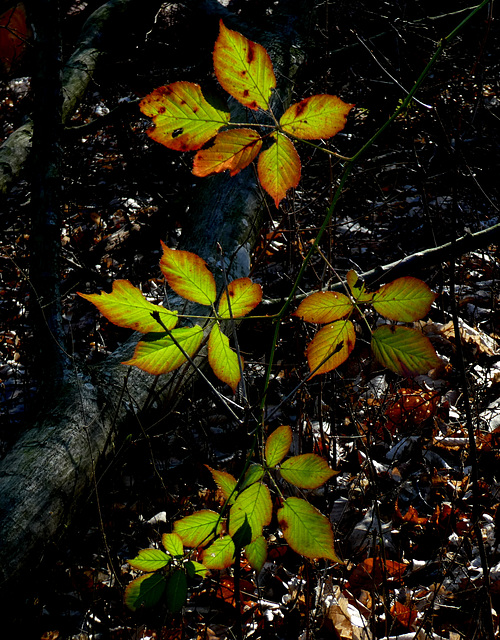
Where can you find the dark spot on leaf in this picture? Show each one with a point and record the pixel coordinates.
(338, 347)
(301, 107)
(283, 525)
(164, 91)
(251, 52)
(161, 110)
(177, 132)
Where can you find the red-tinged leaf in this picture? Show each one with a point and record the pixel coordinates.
(324, 306)
(232, 151)
(404, 615)
(320, 116)
(222, 359)
(14, 35)
(225, 481)
(307, 471)
(198, 528)
(404, 300)
(331, 346)
(244, 69)
(127, 307)
(306, 530)
(183, 119)
(150, 560)
(404, 351)
(157, 353)
(357, 287)
(145, 591)
(256, 553)
(256, 505)
(173, 544)
(220, 554)
(279, 167)
(242, 295)
(278, 445)
(176, 593)
(188, 275)
(372, 573)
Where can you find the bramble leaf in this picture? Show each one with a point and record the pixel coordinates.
(150, 560)
(357, 287)
(183, 119)
(198, 528)
(243, 68)
(306, 471)
(232, 150)
(188, 275)
(324, 306)
(254, 474)
(254, 504)
(277, 445)
(279, 167)
(223, 359)
(194, 568)
(243, 294)
(404, 300)
(157, 353)
(332, 344)
(404, 351)
(145, 591)
(225, 481)
(306, 530)
(256, 553)
(176, 590)
(173, 544)
(127, 307)
(220, 554)
(319, 116)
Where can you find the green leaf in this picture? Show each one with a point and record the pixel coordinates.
(222, 359)
(127, 307)
(320, 116)
(256, 553)
(150, 560)
(404, 351)
(243, 69)
(357, 287)
(194, 568)
(198, 528)
(183, 119)
(231, 151)
(220, 554)
(331, 345)
(173, 544)
(242, 536)
(225, 481)
(243, 295)
(306, 530)
(176, 590)
(307, 471)
(279, 167)
(278, 445)
(404, 300)
(145, 591)
(324, 306)
(157, 353)
(256, 505)
(254, 474)
(188, 275)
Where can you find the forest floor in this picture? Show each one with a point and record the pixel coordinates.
(403, 506)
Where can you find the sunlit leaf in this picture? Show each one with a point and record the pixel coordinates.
(225, 481)
(150, 560)
(194, 568)
(188, 275)
(404, 351)
(231, 151)
(157, 353)
(277, 445)
(256, 553)
(357, 287)
(254, 474)
(127, 307)
(331, 345)
(255, 504)
(243, 68)
(279, 167)
(145, 591)
(306, 471)
(173, 544)
(243, 295)
(222, 359)
(220, 554)
(198, 528)
(324, 306)
(319, 116)
(183, 119)
(306, 530)
(404, 300)
(176, 593)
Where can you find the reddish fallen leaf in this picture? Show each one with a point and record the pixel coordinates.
(404, 615)
(372, 573)
(14, 34)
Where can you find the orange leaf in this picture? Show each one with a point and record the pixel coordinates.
(323, 307)
(243, 295)
(331, 346)
(279, 167)
(320, 116)
(232, 150)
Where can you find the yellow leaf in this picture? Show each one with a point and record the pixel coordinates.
(232, 150)
(320, 116)
(331, 346)
(188, 275)
(223, 359)
(243, 295)
(279, 167)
